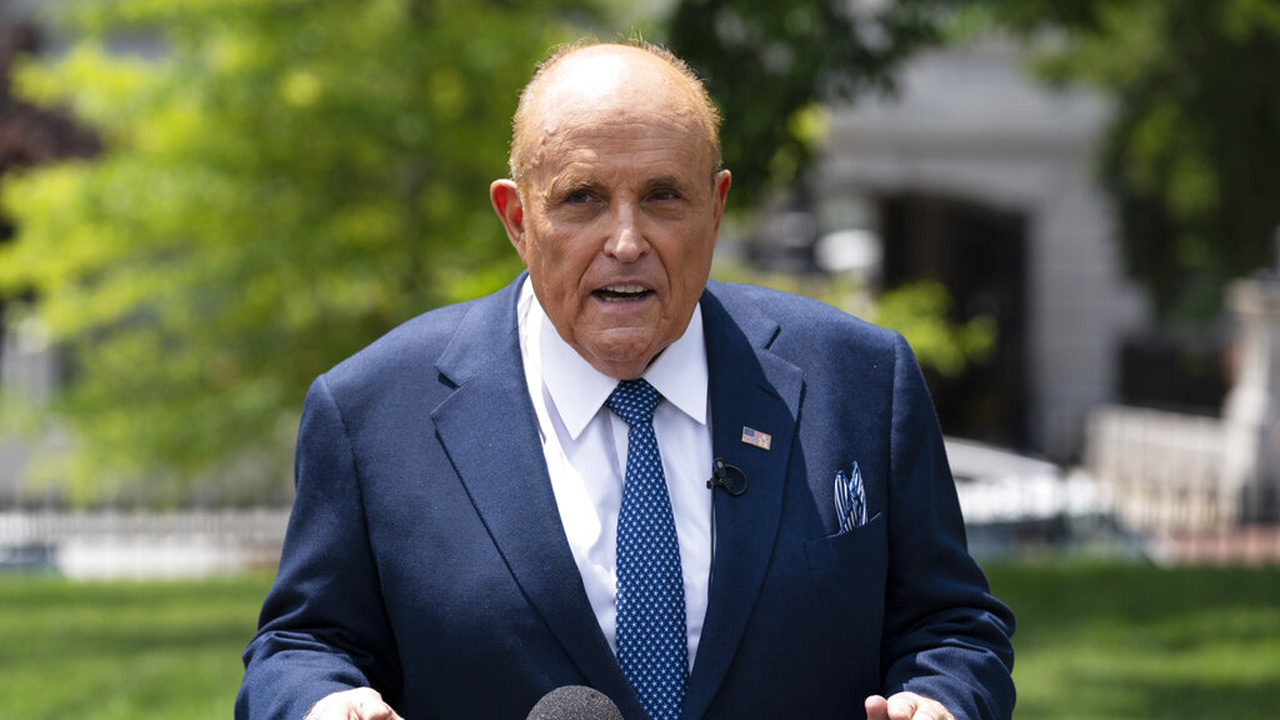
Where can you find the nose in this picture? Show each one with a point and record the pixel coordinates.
(626, 240)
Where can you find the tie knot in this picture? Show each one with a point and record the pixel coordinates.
(634, 401)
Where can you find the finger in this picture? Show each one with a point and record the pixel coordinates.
(356, 704)
(910, 706)
(877, 708)
(373, 708)
(930, 709)
(903, 706)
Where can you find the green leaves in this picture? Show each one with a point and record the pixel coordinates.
(1192, 156)
(283, 182)
(768, 64)
(922, 312)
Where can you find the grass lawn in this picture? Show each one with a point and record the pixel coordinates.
(123, 651)
(1105, 642)
(1095, 642)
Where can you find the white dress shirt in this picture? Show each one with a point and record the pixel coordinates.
(585, 445)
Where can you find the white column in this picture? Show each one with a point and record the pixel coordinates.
(1252, 409)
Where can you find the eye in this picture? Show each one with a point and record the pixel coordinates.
(578, 197)
(664, 194)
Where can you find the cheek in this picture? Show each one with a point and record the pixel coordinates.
(557, 268)
(542, 251)
(693, 263)
(569, 257)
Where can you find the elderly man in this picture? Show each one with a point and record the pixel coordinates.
(703, 500)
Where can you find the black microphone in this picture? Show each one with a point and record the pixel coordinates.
(575, 702)
(727, 478)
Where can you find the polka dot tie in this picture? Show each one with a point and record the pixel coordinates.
(652, 642)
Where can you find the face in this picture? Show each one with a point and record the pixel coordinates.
(616, 221)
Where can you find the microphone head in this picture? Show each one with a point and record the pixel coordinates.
(575, 702)
(727, 477)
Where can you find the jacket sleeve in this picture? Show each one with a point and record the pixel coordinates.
(323, 626)
(946, 636)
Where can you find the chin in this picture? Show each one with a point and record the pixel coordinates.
(622, 365)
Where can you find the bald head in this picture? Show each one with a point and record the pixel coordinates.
(615, 200)
(582, 83)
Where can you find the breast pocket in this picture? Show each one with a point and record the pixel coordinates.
(845, 587)
(855, 551)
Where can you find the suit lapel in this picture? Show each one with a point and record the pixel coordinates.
(750, 388)
(488, 429)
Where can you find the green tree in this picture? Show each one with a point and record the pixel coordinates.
(282, 182)
(1191, 158)
(771, 65)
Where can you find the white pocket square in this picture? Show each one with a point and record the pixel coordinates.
(851, 499)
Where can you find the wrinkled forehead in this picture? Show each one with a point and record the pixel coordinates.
(636, 141)
(620, 91)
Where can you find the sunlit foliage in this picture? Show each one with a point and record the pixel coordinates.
(282, 182)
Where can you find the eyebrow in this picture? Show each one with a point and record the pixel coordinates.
(569, 185)
(664, 181)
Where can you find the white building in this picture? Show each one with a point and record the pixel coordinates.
(981, 177)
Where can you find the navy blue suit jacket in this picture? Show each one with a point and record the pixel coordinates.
(425, 555)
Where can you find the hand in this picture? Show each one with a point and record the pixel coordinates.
(906, 706)
(358, 704)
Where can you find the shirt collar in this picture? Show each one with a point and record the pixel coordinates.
(578, 390)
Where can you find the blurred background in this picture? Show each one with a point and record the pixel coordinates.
(1071, 210)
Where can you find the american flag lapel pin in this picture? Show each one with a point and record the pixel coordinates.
(751, 436)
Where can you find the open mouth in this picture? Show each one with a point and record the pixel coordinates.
(622, 293)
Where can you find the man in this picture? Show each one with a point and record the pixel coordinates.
(467, 534)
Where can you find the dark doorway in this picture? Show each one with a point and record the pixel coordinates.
(980, 255)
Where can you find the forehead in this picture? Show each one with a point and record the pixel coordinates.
(625, 150)
(616, 100)
(605, 75)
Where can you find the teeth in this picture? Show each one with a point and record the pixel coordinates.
(621, 293)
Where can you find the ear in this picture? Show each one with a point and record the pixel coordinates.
(505, 197)
(722, 181)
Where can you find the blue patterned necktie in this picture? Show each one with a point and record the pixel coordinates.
(652, 642)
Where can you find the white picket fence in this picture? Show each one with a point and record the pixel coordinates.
(1159, 473)
(101, 544)
(1162, 471)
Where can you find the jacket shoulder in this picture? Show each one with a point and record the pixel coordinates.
(803, 324)
(406, 356)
